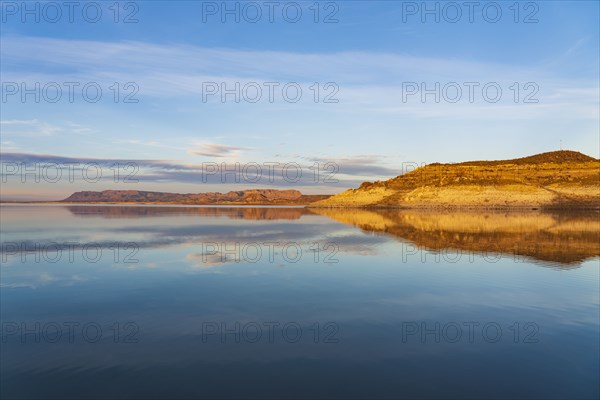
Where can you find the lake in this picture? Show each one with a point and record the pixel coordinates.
(226, 302)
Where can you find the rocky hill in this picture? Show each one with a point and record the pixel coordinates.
(247, 197)
(560, 179)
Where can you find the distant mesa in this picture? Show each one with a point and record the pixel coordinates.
(555, 180)
(244, 197)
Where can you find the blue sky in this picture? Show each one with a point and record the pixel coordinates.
(370, 57)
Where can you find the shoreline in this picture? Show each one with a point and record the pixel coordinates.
(445, 207)
(116, 203)
(448, 208)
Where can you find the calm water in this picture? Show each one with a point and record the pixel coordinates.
(181, 302)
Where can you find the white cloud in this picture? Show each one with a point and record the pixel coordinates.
(368, 81)
(215, 150)
(19, 122)
(37, 128)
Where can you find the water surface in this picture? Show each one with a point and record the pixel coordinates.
(188, 302)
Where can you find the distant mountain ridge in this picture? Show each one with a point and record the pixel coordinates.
(251, 197)
(559, 179)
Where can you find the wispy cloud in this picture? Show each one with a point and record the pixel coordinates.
(372, 166)
(367, 81)
(36, 128)
(18, 122)
(31, 127)
(224, 176)
(215, 150)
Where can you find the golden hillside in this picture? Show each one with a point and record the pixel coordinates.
(560, 179)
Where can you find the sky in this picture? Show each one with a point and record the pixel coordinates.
(200, 96)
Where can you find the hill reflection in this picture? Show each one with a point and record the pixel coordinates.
(564, 239)
(246, 213)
